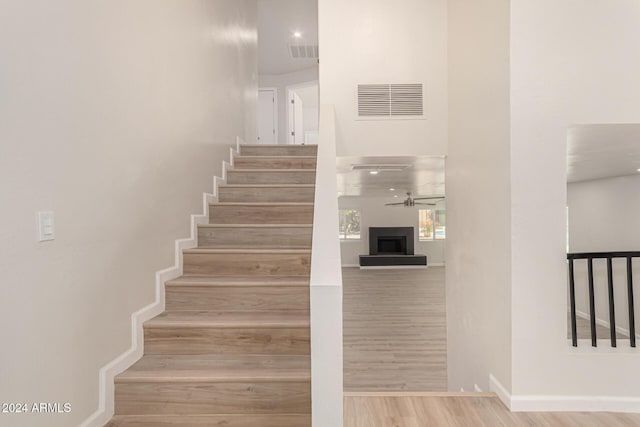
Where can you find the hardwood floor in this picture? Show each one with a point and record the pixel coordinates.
(470, 410)
(394, 330)
(395, 351)
(583, 328)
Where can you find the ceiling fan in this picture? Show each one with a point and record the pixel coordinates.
(411, 201)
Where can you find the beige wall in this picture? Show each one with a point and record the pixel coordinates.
(378, 41)
(115, 115)
(478, 195)
(582, 69)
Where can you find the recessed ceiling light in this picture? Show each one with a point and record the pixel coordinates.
(638, 170)
(373, 172)
(392, 189)
(395, 195)
(297, 34)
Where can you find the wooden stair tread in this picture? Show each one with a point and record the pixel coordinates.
(238, 281)
(244, 170)
(277, 145)
(218, 368)
(223, 319)
(246, 251)
(267, 185)
(265, 248)
(261, 204)
(213, 420)
(283, 156)
(278, 225)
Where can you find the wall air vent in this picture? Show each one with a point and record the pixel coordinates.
(303, 51)
(390, 100)
(380, 167)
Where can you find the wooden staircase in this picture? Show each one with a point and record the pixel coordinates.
(233, 345)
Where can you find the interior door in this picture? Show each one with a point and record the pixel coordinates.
(267, 116)
(296, 119)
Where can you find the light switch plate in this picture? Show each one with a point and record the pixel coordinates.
(46, 226)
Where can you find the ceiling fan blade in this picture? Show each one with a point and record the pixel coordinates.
(425, 204)
(428, 198)
(394, 204)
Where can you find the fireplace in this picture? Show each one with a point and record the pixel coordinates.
(391, 241)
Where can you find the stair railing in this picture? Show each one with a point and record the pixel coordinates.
(609, 257)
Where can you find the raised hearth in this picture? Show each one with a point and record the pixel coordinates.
(391, 246)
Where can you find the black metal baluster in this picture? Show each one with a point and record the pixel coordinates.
(612, 308)
(592, 305)
(572, 299)
(632, 320)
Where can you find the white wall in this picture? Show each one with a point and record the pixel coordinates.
(115, 115)
(478, 200)
(310, 115)
(603, 217)
(572, 62)
(326, 285)
(375, 41)
(373, 213)
(280, 82)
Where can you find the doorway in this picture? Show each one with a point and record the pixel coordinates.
(267, 116)
(302, 111)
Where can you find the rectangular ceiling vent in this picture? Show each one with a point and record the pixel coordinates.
(390, 100)
(303, 51)
(380, 167)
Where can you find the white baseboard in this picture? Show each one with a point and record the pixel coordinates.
(545, 403)
(496, 387)
(555, 403)
(121, 363)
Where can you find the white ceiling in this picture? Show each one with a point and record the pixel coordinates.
(277, 21)
(602, 151)
(424, 177)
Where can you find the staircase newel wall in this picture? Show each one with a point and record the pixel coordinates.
(326, 285)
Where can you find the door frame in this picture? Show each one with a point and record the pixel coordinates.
(275, 109)
(289, 89)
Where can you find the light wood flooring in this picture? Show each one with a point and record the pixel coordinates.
(583, 329)
(395, 348)
(394, 330)
(470, 410)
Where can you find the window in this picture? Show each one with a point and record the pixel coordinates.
(349, 224)
(431, 224)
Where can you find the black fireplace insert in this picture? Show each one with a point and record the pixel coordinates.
(391, 241)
